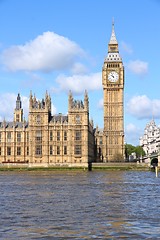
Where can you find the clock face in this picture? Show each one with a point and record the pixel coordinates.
(113, 76)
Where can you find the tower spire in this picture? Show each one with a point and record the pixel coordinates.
(18, 112)
(18, 102)
(113, 39)
(113, 43)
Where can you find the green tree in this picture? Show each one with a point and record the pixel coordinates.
(129, 149)
(139, 151)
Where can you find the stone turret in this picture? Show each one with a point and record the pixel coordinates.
(34, 103)
(86, 101)
(74, 104)
(18, 112)
(70, 100)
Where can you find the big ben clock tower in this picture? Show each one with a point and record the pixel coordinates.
(113, 89)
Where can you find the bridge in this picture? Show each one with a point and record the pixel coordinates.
(153, 159)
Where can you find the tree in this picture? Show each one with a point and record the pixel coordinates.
(129, 149)
(118, 157)
(139, 151)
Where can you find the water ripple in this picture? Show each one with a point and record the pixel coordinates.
(79, 205)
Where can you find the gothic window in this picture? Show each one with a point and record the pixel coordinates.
(27, 151)
(65, 150)
(78, 119)
(77, 149)
(18, 151)
(51, 136)
(8, 136)
(38, 150)
(65, 136)
(18, 137)
(58, 150)
(77, 135)
(38, 137)
(27, 136)
(8, 151)
(51, 150)
(17, 118)
(38, 119)
(58, 135)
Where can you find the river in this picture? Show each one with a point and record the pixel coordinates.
(79, 205)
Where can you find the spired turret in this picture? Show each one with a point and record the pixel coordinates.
(34, 103)
(18, 102)
(48, 101)
(70, 100)
(78, 104)
(78, 110)
(86, 101)
(30, 100)
(18, 112)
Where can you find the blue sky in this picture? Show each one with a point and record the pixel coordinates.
(60, 45)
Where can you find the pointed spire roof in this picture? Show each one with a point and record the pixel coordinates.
(18, 102)
(113, 39)
(113, 52)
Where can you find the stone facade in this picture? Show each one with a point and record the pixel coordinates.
(112, 137)
(150, 141)
(69, 140)
(47, 140)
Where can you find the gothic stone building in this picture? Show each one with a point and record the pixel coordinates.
(110, 140)
(150, 141)
(69, 140)
(47, 140)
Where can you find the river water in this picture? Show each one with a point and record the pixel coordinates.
(79, 205)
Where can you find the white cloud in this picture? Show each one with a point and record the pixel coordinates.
(138, 67)
(100, 103)
(127, 48)
(131, 128)
(132, 134)
(78, 68)
(79, 83)
(144, 108)
(25, 106)
(47, 52)
(8, 104)
(53, 109)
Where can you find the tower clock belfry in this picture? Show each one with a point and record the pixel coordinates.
(113, 90)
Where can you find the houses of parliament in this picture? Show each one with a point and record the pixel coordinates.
(69, 140)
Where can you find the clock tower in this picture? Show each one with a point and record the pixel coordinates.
(113, 90)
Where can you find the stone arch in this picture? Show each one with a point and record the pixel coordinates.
(154, 162)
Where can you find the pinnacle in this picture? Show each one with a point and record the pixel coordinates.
(113, 39)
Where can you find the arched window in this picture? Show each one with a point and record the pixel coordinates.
(38, 120)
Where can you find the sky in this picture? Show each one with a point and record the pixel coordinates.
(60, 45)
